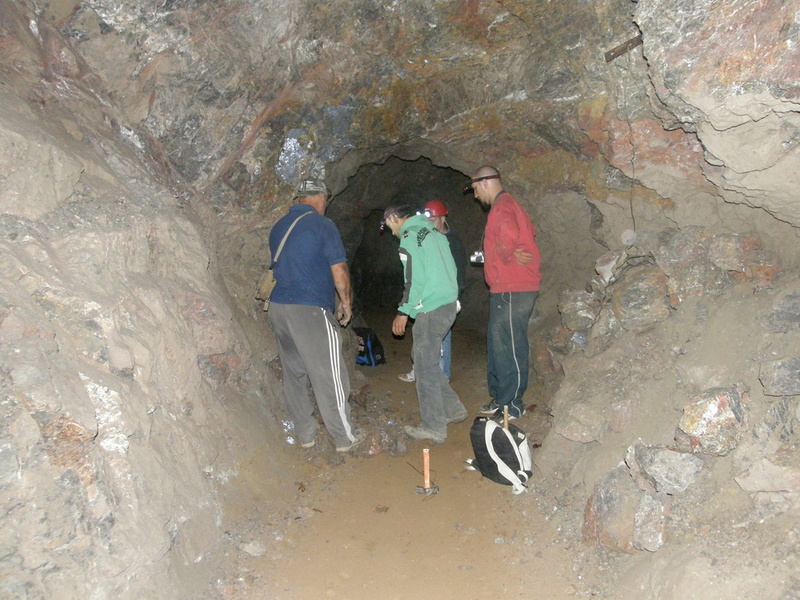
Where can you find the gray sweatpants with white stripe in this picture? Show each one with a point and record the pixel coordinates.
(310, 348)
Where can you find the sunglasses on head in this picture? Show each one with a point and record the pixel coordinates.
(468, 187)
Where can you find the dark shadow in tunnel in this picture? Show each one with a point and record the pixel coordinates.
(374, 263)
(376, 270)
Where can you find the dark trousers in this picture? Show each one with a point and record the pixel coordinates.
(438, 403)
(508, 348)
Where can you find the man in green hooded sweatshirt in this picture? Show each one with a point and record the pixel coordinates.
(429, 297)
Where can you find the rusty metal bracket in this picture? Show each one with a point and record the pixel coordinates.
(623, 48)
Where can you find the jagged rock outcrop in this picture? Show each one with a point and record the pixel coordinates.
(730, 74)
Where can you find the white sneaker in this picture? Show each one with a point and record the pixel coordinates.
(407, 377)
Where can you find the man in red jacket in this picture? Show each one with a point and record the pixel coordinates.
(511, 271)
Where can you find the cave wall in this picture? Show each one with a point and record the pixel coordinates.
(147, 148)
(729, 74)
(130, 397)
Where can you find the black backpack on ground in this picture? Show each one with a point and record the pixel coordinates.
(370, 349)
(502, 455)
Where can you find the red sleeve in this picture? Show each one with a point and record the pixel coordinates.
(508, 234)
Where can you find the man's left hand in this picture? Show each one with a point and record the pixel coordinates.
(343, 314)
(399, 325)
(522, 257)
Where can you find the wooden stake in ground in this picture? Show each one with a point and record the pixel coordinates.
(426, 468)
(427, 489)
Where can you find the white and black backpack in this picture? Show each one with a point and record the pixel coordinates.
(502, 455)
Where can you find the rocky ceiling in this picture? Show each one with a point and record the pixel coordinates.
(242, 98)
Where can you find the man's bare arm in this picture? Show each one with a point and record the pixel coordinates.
(341, 279)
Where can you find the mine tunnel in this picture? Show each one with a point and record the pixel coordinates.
(358, 209)
(147, 150)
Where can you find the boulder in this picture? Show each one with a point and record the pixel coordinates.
(781, 377)
(639, 299)
(609, 516)
(579, 309)
(713, 421)
(664, 470)
(620, 516)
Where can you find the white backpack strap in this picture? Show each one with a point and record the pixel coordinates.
(502, 467)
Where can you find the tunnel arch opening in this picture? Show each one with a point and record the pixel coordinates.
(375, 268)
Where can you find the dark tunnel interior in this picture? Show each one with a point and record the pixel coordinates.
(374, 264)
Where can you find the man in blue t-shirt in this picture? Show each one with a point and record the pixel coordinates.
(311, 271)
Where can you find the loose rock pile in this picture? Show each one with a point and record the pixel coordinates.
(693, 329)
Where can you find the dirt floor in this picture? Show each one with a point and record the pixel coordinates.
(354, 526)
(358, 528)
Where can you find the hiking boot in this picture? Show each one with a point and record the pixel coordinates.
(489, 409)
(459, 417)
(360, 436)
(513, 414)
(423, 433)
(407, 377)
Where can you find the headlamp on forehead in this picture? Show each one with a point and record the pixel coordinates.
(435, 208)
(468, 187)
(386, 215)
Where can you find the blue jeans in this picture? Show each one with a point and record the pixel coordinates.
(508, 348)
(438, 403)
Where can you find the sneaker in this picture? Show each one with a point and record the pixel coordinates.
(513, 414)
(360, 437)
(489, 409)
(407, 377)
(459, 417)
(423, 433)
(308, 445)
